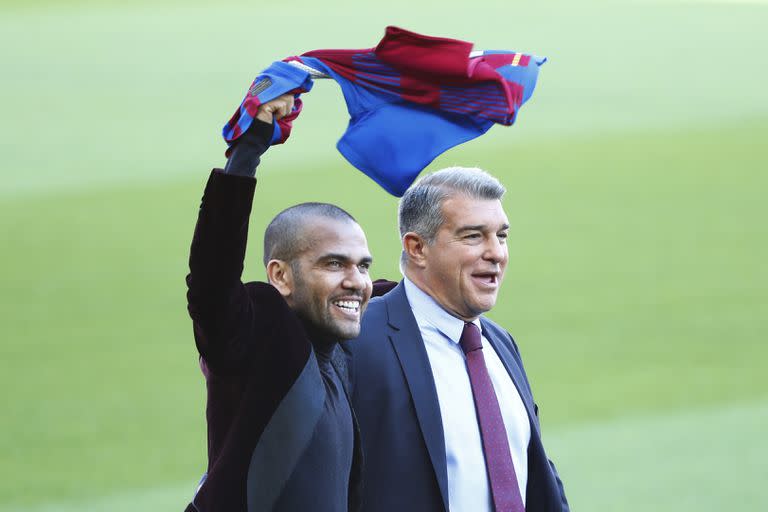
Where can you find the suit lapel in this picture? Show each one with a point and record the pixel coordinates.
(406, 340)
(514, 369)
(285, 438)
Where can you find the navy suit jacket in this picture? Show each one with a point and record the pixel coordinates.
(396, 403)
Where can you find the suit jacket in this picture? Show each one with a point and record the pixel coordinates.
(396, 403)
(265, 391)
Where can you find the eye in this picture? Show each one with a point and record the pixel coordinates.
(334, 264)
(364, 267)
(473, 236)
(503, 237)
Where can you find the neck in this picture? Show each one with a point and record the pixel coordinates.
(418, 279)
(324, 353)
(321, 341)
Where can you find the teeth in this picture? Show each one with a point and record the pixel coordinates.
(348, 304)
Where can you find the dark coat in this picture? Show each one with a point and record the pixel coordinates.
(265, 392)
(396, 403)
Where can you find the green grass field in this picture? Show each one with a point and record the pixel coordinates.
(637, 286)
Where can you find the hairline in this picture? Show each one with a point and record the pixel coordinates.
(451, 182)
(300, 217)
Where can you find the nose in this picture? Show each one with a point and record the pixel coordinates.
(495, 250)
(355, 279)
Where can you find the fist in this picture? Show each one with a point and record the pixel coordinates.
(275, 109)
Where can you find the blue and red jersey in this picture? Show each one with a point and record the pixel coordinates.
(410, 98)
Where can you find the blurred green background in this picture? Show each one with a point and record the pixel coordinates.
(637, 286)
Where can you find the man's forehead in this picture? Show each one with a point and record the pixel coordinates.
(328, 227)
(335, 236)
(462, 210)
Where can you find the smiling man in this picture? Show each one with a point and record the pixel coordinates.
(446, 413)
(281, 433)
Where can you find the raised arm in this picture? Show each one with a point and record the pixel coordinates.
(226, 323)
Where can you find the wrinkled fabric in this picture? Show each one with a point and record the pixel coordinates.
(410, 98)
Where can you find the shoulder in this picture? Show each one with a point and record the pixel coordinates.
(388, 308)
(499, 333)
(376, 312)
(372, 326)
(273, 313)
(264, 291)
(266, 295)
(377, 321)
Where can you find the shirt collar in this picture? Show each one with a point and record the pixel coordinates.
(427, 310)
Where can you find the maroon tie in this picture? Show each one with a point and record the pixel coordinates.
(498, 460)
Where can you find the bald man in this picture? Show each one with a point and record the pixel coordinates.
(281, 433)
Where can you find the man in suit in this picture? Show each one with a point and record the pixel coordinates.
(447, 417)
(281, 433)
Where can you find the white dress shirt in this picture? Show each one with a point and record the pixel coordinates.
(468, 486)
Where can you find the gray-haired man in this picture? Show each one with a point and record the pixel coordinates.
(446, 413)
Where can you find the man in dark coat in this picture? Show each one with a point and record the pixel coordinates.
(281, 432)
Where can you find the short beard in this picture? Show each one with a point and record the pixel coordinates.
(322, 330)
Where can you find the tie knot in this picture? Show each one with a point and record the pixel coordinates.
(470, 338)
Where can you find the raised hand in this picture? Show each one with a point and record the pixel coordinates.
(275, 109)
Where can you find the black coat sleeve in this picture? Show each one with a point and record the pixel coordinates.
(234, 323)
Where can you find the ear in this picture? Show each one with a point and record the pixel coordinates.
(415, 249)
(280, 275)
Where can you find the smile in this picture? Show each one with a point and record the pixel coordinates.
(348, 306)
(489, 279)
